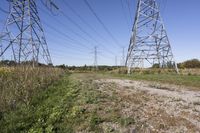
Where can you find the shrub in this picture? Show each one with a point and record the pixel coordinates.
(194, 63)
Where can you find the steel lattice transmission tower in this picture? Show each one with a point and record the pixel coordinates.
(95, 58)
(23, 35)
(149, 43)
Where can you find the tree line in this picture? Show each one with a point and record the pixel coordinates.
(193, 63)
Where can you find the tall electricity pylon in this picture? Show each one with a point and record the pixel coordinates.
(23, 35)
(149, 43)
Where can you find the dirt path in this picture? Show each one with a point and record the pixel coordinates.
(157, 108)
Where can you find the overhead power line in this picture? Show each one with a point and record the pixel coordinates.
(77, 25)
(68, 52)
(86, 23)
(68, 28)
(70, 57)
(129, 9)
(62, 33)
(4, 11)
(82, 30)
(65, 35)
(101, 22)
(71, 47)
(164, 7)
(125, 16)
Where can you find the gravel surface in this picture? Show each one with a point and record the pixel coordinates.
(157, 107)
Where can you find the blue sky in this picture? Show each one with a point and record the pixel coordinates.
(181, 18)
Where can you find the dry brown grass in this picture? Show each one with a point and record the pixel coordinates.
(190, 71)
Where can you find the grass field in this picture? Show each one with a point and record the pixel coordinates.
(80, 102)
(184, 80)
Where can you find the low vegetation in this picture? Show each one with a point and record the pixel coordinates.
(184, 80)
(72, 104)
(193, 63)
(47, 99)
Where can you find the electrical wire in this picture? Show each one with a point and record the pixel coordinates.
(68, 46)
(64, 45)
(74, 58)
(82, 30)
(110, 52)
(129, 10)
(65, 35)
(125, 16)
(101, 22)
(4, 11)
(74, 32)
(86, 23)
(71, 30)
(68, 52)
(71, 20)
(50, 7)
(164, 6)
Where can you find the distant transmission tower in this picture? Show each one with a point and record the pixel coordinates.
(123, 58)
(149, 43)
(23, 35)
(116, 61)
(95, 58)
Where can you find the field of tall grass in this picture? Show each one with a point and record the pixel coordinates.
(18, 84)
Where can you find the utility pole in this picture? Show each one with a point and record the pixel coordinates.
(149, 43)
(95, 58)
(23, 35)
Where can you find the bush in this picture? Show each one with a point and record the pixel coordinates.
(194, 63)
